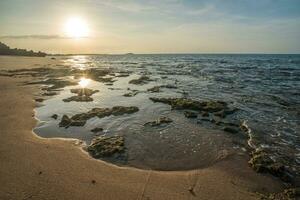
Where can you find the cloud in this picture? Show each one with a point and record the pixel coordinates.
(40, 37)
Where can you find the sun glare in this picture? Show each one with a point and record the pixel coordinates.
(84, 82)
(76, 27)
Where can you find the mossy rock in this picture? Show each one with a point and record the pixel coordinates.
(106, 146)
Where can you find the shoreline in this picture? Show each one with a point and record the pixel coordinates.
(47, 168)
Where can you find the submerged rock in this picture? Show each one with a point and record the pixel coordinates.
(83, 95)
(142, 80)
(169, 86)
(104, 146)
(80, 119)
(84, 91)
(159, 121)
(154, 89)
(55, 83)
(190, 114)
(131, 94)
(96, 130)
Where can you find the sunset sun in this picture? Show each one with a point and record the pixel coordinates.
(76, 27)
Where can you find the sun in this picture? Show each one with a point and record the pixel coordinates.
(76, 27)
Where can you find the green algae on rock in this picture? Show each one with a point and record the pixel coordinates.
(105, 146)
(159, 121)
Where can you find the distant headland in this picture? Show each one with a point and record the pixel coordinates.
(6, 50)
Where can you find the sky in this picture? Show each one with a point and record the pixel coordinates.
(156, 26)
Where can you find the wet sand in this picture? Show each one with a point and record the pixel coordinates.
(37, 168)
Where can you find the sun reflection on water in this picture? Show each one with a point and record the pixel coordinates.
(84, 82)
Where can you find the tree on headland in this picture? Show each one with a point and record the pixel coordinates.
(6, 50)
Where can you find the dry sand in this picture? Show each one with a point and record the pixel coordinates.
(36, 168)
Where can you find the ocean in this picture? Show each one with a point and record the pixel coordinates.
(264, 90)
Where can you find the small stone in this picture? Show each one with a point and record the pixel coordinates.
(54, 116)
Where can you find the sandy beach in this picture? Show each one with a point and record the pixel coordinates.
(38, 168)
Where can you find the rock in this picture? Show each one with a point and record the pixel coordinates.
(66, 122)
(190, 114)
(287, 194)
(84, 91)
(54, 116)
(96, 130)
(56, 84)
(184, 103)
(79, 99)
(80, 119)
(154, 89)
(122, 75)
(159, 121)
(49, 93)
(39, 99)
(105, 146)
(262, 163)
(106, 80)
(230, 129)
(131, 94)
(169, 86)
(140, 81)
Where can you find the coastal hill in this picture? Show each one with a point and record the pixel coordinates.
(6, 50)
